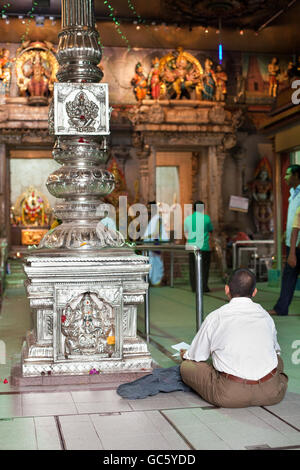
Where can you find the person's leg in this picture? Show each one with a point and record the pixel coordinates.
(288, 284)
(214, 387)
(273, 391)
(201, 377)
(192, 271)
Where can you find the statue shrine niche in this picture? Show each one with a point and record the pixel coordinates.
(262, 195)
(139, 83)
(36, 67)
(88, 326)
(180, 76)
(5, 71)
(32, 214)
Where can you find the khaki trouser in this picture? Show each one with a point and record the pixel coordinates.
(220, 391)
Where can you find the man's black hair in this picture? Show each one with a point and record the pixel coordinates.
(196, 204)
(242, 283)
(295, 169)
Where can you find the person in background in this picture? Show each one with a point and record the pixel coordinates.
(241, 339)
(290, 273)
(294, 254)
(155, 232)
(197, 229)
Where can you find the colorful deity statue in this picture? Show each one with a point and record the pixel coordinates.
(209, 81)
(221, 79)
(36, 68)
(5, 71)
(273, 69)
(262, 194)
(154, 80)
(139, 83)
(31, 209)
(181, 74)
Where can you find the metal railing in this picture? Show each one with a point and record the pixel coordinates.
(236, 244)
(145, 248)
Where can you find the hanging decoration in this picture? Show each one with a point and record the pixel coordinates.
(112, 14)
(30, 15)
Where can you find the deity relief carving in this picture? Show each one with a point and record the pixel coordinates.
(36, 68)
(88, 326)
(82, 112)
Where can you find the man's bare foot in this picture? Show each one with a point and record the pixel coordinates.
(272, 312)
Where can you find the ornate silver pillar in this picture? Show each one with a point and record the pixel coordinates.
(84, 283)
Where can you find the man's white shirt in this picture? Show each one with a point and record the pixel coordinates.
(240, 337)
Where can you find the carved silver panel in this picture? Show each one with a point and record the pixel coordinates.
(86, 324)
(81, 109)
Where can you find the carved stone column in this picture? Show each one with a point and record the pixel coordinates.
(121, 154)
(84, 283)
(221, 156)
(195, 170)
(4, 192)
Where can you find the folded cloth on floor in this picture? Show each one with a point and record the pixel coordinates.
(161, 380)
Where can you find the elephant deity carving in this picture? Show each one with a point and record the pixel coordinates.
(88, 326)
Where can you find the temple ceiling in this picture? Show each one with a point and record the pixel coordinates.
(170, 23)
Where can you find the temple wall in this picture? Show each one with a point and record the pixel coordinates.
(119, 67)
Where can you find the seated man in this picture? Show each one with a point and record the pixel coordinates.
(242, 341)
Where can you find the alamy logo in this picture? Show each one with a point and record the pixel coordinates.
(296, 354)
(296, 94)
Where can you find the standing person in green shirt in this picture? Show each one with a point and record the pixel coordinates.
(197, 228)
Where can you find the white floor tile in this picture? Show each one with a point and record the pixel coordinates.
(10, 406)
(104, 407)
(51, 409)
(79, 433)
(96, 396)
(18, 434)
(155, 403)
(133, 422)
(47, 398)
(137, 442)
(47, 433)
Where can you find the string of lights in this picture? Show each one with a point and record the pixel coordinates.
(112, 14)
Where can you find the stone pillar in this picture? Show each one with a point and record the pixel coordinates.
(84, 299)
(215, 172)
(195, 171)
(277, 205)
(121, 154)
(143, 157)
(4, 193)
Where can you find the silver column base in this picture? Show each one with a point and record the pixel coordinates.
(70, 338)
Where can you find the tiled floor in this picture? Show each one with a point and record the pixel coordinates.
(175, 421)
(84, 417)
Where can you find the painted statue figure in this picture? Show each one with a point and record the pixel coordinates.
(5, 71)
(139, 83)
(39, 76)
(273, 69)
(221, 79)
(153, 80)
(209, 81)
(180, 73)
(262, 194)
